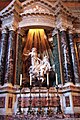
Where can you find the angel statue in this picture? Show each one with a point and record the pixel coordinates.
(38, 66)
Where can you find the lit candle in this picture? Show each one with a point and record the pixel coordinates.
(47, 79)
(56, 79)
(20, 79)
(30, 79)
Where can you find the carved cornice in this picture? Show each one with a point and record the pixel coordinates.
(65, 18)
(63, 26)
(10, 22)
(39, 21)
(60, 8)
(43, 13)
(56, 8)
(8, 10)
(10, 16)
(72, 88)
(36, 9)
(13, 7)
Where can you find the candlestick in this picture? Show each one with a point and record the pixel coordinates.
(47, 79)
(56, 79)
(30, 79)
(20, 79)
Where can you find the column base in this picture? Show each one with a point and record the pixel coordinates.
(7, 99)
(77, 84)
(68, 84)
(71, 99)
(8, 85)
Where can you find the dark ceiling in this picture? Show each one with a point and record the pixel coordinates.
(4, 3)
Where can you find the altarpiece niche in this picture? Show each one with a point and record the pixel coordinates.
(38, 59)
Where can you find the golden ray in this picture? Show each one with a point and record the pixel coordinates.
(37, 38)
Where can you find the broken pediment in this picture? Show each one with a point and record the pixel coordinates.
(36, 7)
(37, 13)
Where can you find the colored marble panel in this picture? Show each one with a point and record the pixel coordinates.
(76, 101)
(10, 101)
(78, 49)
(24, 102)
(44, 101)
(2, 102)
(67, 101)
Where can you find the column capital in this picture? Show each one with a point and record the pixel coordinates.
(21, 31)
(71, 30)
(63, 28)
(12, 27)
(0, 28)
(4, 29)
(55, 31)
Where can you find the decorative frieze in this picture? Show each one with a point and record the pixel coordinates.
(39, 20)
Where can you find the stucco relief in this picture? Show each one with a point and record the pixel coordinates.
(35, 9)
